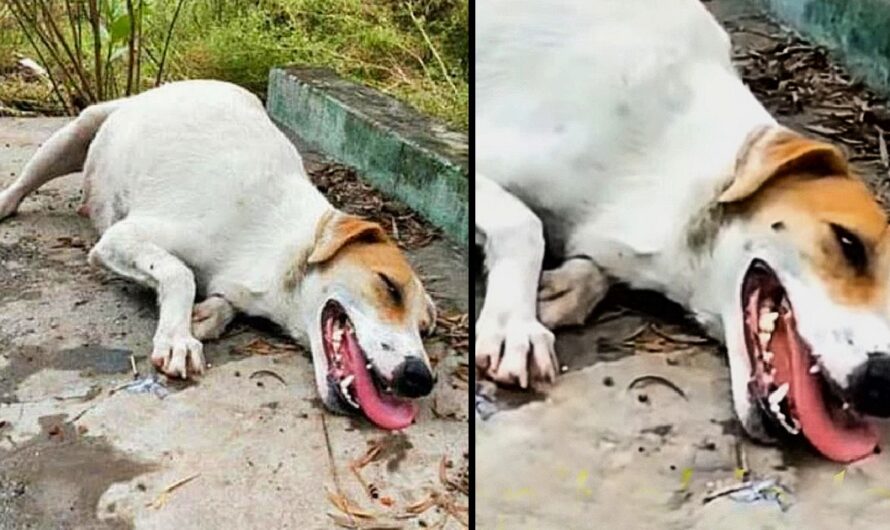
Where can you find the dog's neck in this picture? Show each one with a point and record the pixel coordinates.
(267, 279)
(699, 259)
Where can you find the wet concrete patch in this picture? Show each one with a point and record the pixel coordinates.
(56, 479)
(88, 360)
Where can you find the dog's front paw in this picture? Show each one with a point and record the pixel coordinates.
(518, 351)
(178, 355)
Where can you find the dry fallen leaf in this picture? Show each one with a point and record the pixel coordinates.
(161, 499)
(260, 346)
(351, 523)
(342, 503)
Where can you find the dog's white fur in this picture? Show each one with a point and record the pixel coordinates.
(616, 122)
(194, 188)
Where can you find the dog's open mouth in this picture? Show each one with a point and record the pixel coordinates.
(353, 377)
(787, 380)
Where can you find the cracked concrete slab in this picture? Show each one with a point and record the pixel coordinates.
(78, 450)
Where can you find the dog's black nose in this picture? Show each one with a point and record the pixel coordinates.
(412, 378)
(870, 386)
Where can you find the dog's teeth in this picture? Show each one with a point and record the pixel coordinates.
(767, 321)
(768, 356)
(369, 366)
(780, 393)
(350, 400)
(815, 369)
(793, 428)
(335, 342)
(764, 338)
(344, 389)
(845, 406)
(768, 378)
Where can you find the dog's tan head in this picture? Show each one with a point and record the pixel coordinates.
(807, 329)
(366, 310)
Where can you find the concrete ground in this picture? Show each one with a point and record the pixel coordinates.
(612, 447)
(248, 446)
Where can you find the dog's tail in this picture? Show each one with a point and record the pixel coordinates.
(63, 153)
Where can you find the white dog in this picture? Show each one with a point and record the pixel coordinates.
(618, 132)
(193, 188)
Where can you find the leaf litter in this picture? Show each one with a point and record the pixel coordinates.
(792, 77)
(392, 514)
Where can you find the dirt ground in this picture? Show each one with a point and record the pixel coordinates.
(249, 445)
(611, 446)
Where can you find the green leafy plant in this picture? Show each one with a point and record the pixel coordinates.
(93, 50)
(415, 50)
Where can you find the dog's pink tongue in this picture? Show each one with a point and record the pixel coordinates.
(386, 412)
(836, 439)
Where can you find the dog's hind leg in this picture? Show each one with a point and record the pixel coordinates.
(63, 153)
(569, 293)
(512, 346)
(210, 317)
(130, 249)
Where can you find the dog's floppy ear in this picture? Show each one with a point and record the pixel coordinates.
(335, 231)
(771, 152)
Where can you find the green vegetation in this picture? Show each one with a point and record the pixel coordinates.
(416, 50)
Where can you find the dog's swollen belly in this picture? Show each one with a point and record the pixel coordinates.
(193, 188)
(620, 132)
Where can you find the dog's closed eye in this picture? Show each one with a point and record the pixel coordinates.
(854, 251)
(391, 288)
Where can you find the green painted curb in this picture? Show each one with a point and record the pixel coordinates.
(857, 30)
(396, 149)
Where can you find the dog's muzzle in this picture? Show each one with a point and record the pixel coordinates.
(412, 378)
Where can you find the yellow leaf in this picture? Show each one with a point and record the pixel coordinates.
(686, 477)
(839, 478)
(881, 491)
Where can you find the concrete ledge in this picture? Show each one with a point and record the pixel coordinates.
(401, 152)
(858, 30)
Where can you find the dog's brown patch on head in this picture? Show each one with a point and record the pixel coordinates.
(364, 256)
(389, 282)
(805, 190)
